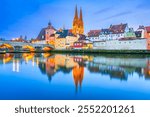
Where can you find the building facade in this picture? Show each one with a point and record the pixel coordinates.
(93, 35)
(123, 44)
(46, 35)
(49, 34)
(147, 31)
(65, 39)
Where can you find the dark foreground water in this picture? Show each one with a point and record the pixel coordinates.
(64, 76)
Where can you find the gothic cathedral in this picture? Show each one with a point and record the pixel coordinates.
(78, 24)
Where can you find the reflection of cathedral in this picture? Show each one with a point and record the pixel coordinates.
(78, 75)
(78, 24)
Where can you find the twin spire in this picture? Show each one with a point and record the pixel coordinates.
(76, 14)
(78, 24)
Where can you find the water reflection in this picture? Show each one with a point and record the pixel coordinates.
(118, 67)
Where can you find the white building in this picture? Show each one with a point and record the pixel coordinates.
(93, 35)
(141, 30)
(122, 44)
(114, 32)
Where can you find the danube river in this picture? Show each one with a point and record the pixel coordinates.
(68, 76)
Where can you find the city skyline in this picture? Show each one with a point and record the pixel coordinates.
(28, 17)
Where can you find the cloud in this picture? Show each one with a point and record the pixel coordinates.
(103, 10)
(118, 15)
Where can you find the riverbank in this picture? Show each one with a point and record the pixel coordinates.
(85, 51)
(104, 51)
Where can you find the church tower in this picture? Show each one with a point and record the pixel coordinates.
(78, 25)
(81, 25)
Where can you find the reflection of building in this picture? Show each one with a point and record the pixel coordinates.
(147, 32)
(120, 67)
(147, 70)
(113, 71)
(16, 67)
(78, 75)
(6, 58)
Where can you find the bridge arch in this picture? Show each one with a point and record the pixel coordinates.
(47, 48)
(6, 46)
(28, 48)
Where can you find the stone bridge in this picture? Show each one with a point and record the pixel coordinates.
(21, 46)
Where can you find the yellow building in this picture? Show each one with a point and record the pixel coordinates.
(70, 41)
(64, 39)
(60, 43)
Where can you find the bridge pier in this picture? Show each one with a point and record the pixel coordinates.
(38, 48)
(18, 48)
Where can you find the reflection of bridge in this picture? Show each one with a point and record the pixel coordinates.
(20, 46)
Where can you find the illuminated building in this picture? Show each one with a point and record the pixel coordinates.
(78, 24)
(46, 35)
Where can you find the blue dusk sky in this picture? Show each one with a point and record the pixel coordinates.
(27, 17)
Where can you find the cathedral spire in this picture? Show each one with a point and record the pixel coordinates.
(81, 18)
(78, 24)
(76, 13)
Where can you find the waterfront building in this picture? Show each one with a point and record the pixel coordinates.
(46, 35)
(123, 44)
(83, 43)
(147, 31)
(143, 32)
(93, 35)
(115, 32)
(118, 31)
(105, 34)
(70, 39)
(64, 39)
(130, 33)
(140, 32)
(60, 42)
(78, 24)
(49, 34)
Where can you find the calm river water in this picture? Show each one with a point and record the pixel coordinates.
(65, 76)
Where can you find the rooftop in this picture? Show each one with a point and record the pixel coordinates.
(94, 33)
(120, 28)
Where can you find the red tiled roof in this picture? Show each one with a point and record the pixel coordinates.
(94, 33)
(147, 29)
(118, 28)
